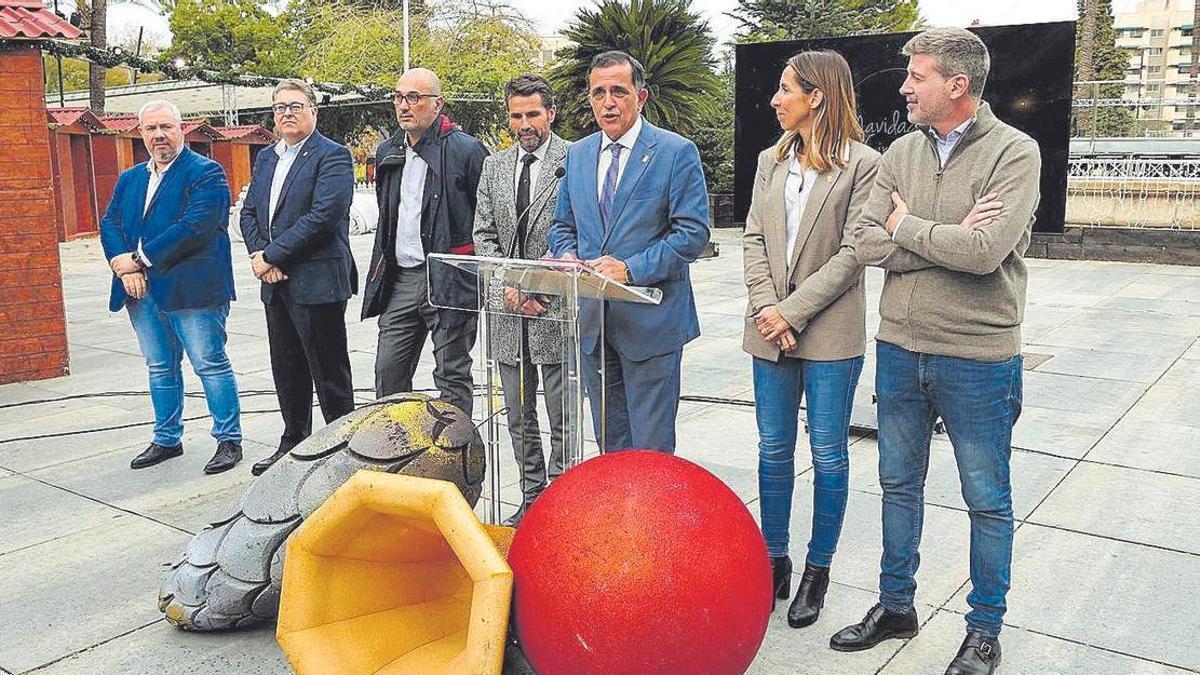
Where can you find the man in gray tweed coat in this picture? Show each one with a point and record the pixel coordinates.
(516, 202)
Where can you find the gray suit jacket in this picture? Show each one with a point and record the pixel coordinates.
(820, 291)
(495, 227)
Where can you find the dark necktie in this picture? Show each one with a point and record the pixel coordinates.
(523, 202)
(610, 184)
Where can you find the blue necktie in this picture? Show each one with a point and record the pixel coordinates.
(610, 184)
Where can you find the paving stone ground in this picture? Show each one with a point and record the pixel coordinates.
(1106, 483)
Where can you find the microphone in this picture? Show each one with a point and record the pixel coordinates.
(559, 173)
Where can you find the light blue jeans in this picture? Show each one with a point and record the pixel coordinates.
(164, 337)
(829, 387)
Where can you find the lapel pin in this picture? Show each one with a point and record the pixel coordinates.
(645, 159)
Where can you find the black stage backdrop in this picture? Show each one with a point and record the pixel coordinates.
(1029, 87)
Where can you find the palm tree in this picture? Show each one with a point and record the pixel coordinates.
(671, 42)
(1195, 44)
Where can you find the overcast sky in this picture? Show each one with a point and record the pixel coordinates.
(553, 16)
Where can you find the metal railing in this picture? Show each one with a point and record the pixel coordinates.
(1145, 108)
(1138, 193)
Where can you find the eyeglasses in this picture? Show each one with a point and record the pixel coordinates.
(293, 108)
(412, 97)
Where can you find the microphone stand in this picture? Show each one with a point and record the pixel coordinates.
(517, 233)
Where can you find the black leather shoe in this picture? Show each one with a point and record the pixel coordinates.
(978, 655)
(806, 607)
(228, 454)
(781, 579)
(878, 625)
(516, 518)
(263, 464)
(154, 454)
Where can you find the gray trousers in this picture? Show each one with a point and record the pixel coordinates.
(520, 384)
(403, 326)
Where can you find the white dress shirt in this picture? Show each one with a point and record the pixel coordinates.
(287, 155)
(627, 140)
(409, 250)
(156, 176)
(539, 154)
(797, 189)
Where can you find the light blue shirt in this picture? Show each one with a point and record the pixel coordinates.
(626, 140)
(946, 145)
(287, 156)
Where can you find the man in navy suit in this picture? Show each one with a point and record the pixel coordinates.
(634, 207)
(165, 237)
(295, 221)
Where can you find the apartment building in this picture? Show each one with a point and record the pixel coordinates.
(547, 46)
(1157, 34)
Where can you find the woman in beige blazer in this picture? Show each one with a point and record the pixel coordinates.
(806, 323)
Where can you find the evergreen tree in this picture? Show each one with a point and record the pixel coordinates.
(774, 20)
(1099, 58)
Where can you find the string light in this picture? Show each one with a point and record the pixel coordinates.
(178, 69)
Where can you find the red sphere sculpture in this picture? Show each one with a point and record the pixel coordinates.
(640, 562)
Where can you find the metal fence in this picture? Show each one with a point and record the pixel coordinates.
(1140, 193)
(1137, 108)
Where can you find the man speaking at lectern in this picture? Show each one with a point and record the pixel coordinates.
(633, 205)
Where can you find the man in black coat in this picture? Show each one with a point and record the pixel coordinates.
(295, 222)
(426, 176)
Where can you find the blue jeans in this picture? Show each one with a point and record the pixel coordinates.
(828, 386)
(164, 337)
(979, 403)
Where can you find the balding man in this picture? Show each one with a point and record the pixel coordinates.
(426, 175)
(166, 238)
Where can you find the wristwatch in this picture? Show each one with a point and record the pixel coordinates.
(137, 259)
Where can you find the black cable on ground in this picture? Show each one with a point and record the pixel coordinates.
(130, 425)
(715, 400)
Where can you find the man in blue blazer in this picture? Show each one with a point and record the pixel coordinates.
(165, 237)
(634, 207)
(295, 221)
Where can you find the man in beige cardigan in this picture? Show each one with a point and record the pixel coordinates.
(949, 218)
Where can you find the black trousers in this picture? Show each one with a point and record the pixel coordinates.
(308, 349)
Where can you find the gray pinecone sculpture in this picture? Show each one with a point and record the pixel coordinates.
(230, 575)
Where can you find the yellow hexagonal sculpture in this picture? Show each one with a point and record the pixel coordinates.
(395, 574)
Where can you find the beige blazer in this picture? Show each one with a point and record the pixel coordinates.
(820, 290)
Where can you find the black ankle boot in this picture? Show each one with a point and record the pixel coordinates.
(806, 607)
(978, 655)
(781, 579)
